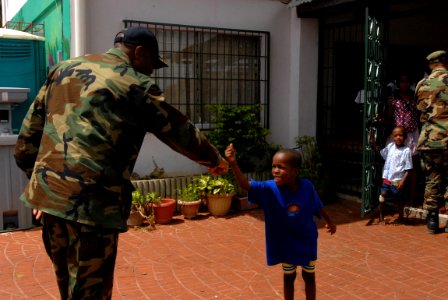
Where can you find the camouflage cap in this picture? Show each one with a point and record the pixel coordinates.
(436, 56)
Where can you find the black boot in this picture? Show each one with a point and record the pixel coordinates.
(433, 221)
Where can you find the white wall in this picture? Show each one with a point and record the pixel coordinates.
(10, 8)
(294, 79)
(104, 18)
(308, 76)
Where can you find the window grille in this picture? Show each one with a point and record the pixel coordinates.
(208, 66)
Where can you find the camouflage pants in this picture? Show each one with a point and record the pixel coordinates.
(83, 257)
(435, 165)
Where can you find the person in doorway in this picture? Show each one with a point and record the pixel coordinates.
(401, 111)
(78, 145)
(431, 96)
(290, 204)
(397, 166)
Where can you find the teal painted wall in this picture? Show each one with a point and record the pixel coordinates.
(22, 65)
(55, 16)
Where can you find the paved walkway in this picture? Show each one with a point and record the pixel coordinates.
(224, 258)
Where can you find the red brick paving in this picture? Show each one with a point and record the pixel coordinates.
(224, 258)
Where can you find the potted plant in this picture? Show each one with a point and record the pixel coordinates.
(189, 201)
(162, 208)
(141, 210)
(137, 213)
(217, 193)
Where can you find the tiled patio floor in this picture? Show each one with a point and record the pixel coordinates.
(224, 258)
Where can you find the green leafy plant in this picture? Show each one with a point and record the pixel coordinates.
(313, 166)
(189, 194)
(311, 158)
(138, 201)
(142, 203)
(216, 192)
(153, 197)
(209, 185)
(240, 125)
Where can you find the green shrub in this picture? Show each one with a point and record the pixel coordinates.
(209, 185)
(240, 125)
(189, 193)
(313, 166)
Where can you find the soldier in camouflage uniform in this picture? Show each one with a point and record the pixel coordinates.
(78, 145)
(432, 101)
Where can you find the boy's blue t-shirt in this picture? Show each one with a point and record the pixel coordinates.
(290, 237)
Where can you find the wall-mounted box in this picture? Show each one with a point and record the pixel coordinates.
(13, 94)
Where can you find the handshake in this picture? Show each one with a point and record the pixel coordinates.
(223, 166)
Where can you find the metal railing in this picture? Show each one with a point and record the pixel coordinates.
(169, 187)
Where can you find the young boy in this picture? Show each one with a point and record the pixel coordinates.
(398, 164)
(289, 205)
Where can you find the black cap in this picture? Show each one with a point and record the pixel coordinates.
(141, 36)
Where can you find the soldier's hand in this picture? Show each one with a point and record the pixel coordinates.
(220, 169)
(37, 213)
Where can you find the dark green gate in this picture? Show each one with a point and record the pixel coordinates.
(374, 85)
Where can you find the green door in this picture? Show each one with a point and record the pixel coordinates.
(374, 89)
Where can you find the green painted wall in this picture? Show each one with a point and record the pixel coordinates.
(55, 16)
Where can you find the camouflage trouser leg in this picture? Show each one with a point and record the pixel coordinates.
(83, 257)
(434, 165)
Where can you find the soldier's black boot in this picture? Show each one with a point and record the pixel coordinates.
(433, 221)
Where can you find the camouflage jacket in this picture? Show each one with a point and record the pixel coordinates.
(432, 101)
(81, 136)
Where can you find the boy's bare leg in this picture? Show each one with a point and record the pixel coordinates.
(400, 206)
(310, 285)
(380, 210)
(288, 285)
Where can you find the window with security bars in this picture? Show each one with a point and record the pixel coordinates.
(208, 66)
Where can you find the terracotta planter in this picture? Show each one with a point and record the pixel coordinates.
(135, 219)
(163, 212)
(219, 205)
(190, 209)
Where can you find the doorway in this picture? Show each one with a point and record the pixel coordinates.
(414, 29)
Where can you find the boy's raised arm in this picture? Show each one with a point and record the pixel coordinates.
(239, 176)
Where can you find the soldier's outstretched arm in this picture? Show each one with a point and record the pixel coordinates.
(176, 130)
